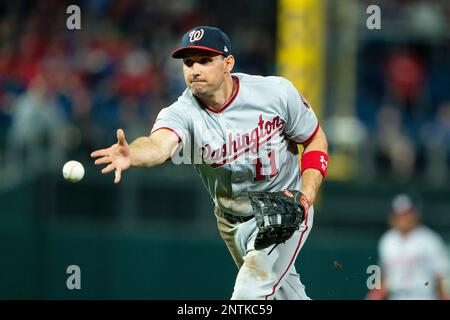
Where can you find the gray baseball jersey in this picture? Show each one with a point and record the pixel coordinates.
(249, 145)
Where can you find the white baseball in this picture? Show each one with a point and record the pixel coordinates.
(73, 171)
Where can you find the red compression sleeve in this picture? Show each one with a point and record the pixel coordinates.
(315, 160)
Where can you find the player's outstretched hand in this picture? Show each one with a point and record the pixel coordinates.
(117, 157)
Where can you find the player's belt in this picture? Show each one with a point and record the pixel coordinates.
(235, 219)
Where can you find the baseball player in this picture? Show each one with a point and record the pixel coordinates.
(241, 133)
(414, 259)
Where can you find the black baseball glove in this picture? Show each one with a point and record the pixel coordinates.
(278, 215)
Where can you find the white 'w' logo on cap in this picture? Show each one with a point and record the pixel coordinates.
(196, 35)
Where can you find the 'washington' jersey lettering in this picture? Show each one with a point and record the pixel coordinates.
(249, 145)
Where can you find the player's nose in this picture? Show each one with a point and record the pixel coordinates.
(195, 74)
(196, 66)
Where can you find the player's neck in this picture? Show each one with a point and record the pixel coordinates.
(410, 230)
(221, 97)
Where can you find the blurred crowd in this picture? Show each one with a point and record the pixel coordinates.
(66, 91)
(404, 90)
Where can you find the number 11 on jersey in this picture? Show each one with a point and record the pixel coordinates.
(259, 176)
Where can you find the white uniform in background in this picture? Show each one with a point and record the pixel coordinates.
(411, 262)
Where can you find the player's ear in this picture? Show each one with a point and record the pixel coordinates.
(229, 63)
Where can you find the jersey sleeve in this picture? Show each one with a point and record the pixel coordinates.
(173, 120)
(302, 123)
(439, 257)
(382, 249)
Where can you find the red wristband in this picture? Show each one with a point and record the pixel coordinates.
(315, 160)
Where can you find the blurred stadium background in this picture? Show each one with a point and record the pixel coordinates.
(383, 97)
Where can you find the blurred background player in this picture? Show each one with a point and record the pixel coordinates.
(413, 258)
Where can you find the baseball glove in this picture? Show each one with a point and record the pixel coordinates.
(278, 215)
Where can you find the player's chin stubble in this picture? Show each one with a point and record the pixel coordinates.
(198, 88)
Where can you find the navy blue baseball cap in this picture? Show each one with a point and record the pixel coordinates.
(205, 38)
